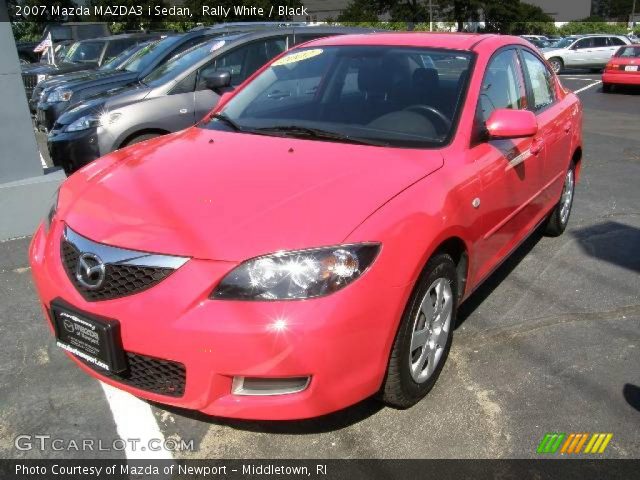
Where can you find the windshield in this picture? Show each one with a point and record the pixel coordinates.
(629, 52)
(84, 52)
(145, 56)
(564, 43)
(381, 95)
(178, 64)
(118, 60)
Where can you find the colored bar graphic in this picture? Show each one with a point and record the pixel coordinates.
(572, 443)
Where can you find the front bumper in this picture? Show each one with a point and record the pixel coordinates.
(48, 113)
(622, 78)
(73, 150)
(341, 341)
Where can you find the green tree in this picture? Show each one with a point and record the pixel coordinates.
(25, 28)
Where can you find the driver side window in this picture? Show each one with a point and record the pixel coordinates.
(502, 87)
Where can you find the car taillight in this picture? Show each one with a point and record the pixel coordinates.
(612, 66)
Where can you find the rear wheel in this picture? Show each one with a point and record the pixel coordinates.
(423, 339)
(556, 64)
(559, 218)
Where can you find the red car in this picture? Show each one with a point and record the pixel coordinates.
(307, 245)
(623, 68)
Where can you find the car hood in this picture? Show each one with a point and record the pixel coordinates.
(58, 69)
(231, 196)
(107, 80)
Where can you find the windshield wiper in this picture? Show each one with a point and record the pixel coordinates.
(224, 119)
(298, 131)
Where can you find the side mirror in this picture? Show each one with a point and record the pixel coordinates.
(215, 80)
(505, 123)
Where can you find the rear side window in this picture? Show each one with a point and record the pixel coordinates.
(599, 42)
(502, 85)
(615, 41)
(541, 81)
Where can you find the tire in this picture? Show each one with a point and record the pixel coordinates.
(140, 138)
(606, 87)
(407, 380)
(559, 217)
(557, 65)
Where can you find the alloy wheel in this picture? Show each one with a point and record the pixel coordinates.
(431, 330)
(567, 196)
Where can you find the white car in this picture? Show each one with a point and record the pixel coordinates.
(590, 52)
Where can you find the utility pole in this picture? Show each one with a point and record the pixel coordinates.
(633, 14)
(431, 15)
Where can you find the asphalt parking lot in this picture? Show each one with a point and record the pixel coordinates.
(549, 344)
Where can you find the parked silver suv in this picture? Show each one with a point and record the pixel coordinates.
(589, 51)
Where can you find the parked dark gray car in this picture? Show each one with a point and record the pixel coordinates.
(174, 96)
(138, 66)
(112, 65)
(82, 55)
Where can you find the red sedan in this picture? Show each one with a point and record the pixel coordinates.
(623, 68)
(307, 245)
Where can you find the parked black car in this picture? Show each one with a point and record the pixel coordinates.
(45, 86)
(136, 68)
(62, 32)
(174, 96)
(82, 55)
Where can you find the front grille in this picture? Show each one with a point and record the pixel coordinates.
(30, 81)
(120, 279)
(155, 375)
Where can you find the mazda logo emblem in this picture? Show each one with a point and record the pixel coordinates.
(90, 271)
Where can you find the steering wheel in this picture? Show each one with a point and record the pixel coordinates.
(431, 112)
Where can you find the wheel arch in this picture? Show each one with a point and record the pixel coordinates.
(577, 161)
(144, 131)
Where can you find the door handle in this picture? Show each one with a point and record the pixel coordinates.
(536, 146)
(183, 111)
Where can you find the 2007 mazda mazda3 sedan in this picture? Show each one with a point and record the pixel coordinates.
(307, 244)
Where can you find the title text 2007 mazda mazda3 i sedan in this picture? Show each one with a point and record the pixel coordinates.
(307, 244)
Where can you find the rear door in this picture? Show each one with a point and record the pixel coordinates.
(601, 52)
(554, 129)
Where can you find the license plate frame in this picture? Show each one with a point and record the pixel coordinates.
(94, 339)
(631, 68)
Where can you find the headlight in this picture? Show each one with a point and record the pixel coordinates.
(40, 78)
(297, 274)
(52, 211)
(93, 120)
(60, 95)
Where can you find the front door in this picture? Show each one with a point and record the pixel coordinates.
(509, 170)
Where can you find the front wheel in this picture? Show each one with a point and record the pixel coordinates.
(556, 64)
(423, 339)
(559, 218)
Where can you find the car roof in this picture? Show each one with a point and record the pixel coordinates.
(452, 41)
(119, 37)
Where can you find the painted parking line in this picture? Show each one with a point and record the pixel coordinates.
(587, 87)
(135, 420)
(584, 79)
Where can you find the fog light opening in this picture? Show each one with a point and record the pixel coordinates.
(268, 386)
